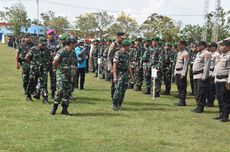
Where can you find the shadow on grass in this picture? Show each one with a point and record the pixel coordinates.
(98, 114)
(97, 89)
(150, 109)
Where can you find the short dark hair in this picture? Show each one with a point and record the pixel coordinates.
(202, 43)
(183, 42)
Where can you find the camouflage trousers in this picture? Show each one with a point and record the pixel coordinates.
(158, 82)
(102, 70)
(138, 76)
(63, 90)
(120, 88)
(167, 77)
(35, 76)
(147, 75)
(95, 66)
(25, 75)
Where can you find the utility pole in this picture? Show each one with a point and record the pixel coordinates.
(205, 20)
(37, 16)
(215, 32)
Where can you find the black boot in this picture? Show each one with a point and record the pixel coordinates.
(53, 94)
(199, 109)
(54, 109)
(225, 117)
(181, 103)
(37, 96)
(29, 98)
(157, 94)
(45, 100)
(115, 108)
(65, 111)
(147, 90)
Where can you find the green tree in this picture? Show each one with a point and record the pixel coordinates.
(59, 23)
(191, 33)
(16, 15)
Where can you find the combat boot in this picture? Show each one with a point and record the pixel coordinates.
(181, 103)
(29, 98)
(199, 109)
(147, 90)
(52, 94)
(45, 100)
(54, 109)
(37, 96)
(65, 111)
(114, 106)
(157, 94)
(224, 117)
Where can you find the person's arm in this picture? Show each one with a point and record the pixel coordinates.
(185, 66)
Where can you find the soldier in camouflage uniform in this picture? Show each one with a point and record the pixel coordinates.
(52, 46)
(62, 62)
(147, 65)
(132, 63)
(167, 67)
(22, 50)
(100, 55)
(138, 71)
(105, 56)
(157, 63)
(121, 69)
(39, 58)
(113, 48)
(95, 55)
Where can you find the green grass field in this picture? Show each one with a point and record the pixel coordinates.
(144, 126)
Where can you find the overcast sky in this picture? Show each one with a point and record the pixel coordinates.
(187, 11)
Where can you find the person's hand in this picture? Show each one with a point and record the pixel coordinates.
(115, 79)
(18, 66)
(227, 85)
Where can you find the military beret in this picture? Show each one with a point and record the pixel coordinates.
(121, 34)
(81, 40)
(126, 42)
(157, 39)
(63, 36)
(225, 43)
(202, 43)
(139, 39)
(148, 40)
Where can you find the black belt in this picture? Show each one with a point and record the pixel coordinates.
(178, 69)
(211, 69)
(221, 76)
(198, 72)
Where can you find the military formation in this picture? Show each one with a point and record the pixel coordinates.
(128, 64)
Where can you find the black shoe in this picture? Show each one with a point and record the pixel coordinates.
(54, 109)
(147, 91)
(29, 98)
(46, 101)
(224, 117)
(191, 94)
(181, 103)
(81, 88)
(121, 108)
(157, 95)
(199, 109)
(37, 96)
(65, 111)
(209, 104)
(114, 107)
(218, 117)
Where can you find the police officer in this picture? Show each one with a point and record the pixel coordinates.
(62, 62)
(211, 91)
(181, 69)
(201, 68)
(121, 70)
(222, 79)
(114, 47)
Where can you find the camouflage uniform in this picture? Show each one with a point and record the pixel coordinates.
(64, 74)
(40, 60)
(147, 69)
(105, 56)
(22, 51)
(95, 55)
(132, 66)
(138, 71)
(122, 60)
(102, 65)
(157, 62)
(167, 70)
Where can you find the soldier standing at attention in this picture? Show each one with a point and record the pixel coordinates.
(215, 55)
(105, 58)
(39, 58)
(22, 50)
(132, 65)
(181, 69)
(222, 80)
(121, 70)
(95, 55)
(201, 68)
(114, 47)
(62, 62)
